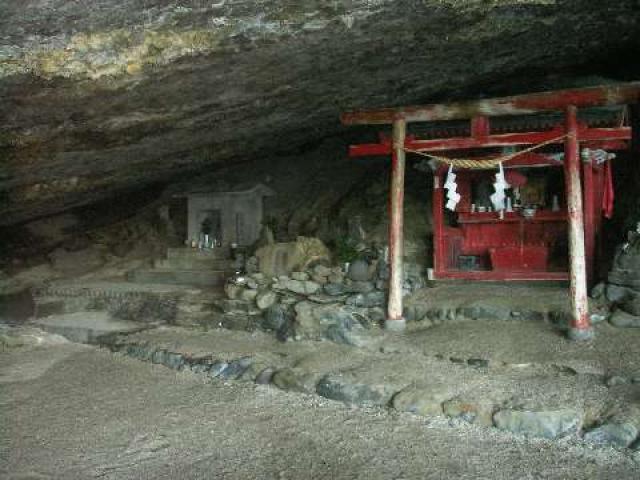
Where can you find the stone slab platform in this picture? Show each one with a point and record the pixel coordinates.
(106, 288)
(144, 302)
(86, 327)
(195, 277)
(221, 253)
(186, 263)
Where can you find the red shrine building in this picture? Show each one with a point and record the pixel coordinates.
(521, 185)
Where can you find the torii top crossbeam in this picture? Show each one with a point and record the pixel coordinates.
(571, 134)
(528, 104)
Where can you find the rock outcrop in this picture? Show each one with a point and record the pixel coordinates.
(97, 99)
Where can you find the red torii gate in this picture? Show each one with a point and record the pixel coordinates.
(567, 101)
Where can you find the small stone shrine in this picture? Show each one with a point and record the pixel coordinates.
(226, 217)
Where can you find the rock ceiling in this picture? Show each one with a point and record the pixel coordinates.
(103, 96)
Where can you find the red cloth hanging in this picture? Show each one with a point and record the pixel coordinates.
(608, 194)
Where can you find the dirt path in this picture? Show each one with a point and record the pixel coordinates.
(92, 414)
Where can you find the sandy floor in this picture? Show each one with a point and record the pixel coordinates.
(91, 414)
(512, 296)
(613, 352)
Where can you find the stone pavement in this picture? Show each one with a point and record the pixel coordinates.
(593, 396)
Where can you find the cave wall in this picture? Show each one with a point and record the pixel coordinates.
(102, 97)
(319, 191)
(122, 229)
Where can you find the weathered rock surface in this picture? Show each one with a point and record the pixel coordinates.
(295, 380)
(336, 322)
(618, 434)
(286, 258)
(471, 408)
(344, 390)
(97, 100)
(621, 429)
(623, 290)
(370, 299)
(620, 318)
(304, 287)
(547, 424)
(265, 299)
(77, 263)
(423, 401)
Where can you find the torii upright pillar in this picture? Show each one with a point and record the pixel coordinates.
(395, 320)
(580, 325)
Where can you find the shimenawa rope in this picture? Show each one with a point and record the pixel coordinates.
(482, 164)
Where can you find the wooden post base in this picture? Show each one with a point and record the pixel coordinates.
(581, 335)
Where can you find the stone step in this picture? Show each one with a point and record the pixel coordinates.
(201, 278)
(188, 263)
(221, 253)
(87, 327)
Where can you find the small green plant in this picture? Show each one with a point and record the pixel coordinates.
(345, 250)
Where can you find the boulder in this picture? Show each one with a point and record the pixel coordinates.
(233, 291)
(324, 299)
(319, 279)
(266, 298)
(359, 287)
(336, 277)
(615, 434)
(345, 390)
(217, 368)
(335, 322)
(351, 332)
(620, 430)
(421, 401)
(367, 300)
(627, 258)
(301, 276)
(265, 376)
(173, 360)
(359, 271)
(303, 287)
(321, 270)
(294, 380)
(623, 319)
(276, 318)
(309, 318)
(471, 409)
(260, 278)
(335, 289)
(248, 295)
(599, 291)
(236, 368)
(257, 370)
(546, 424)
(376, 315)
(616, 293)
(631, 304)
(284, 258)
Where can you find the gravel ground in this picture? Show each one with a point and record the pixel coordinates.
(512, 296)
(613, 352)
(92, 414)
